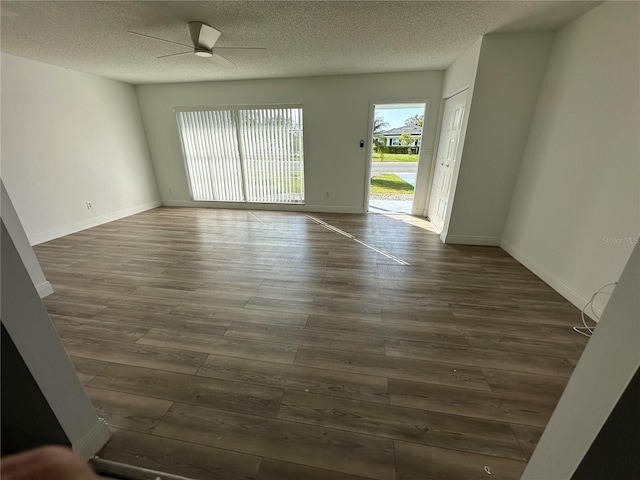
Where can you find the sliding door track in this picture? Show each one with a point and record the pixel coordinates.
(122, 471)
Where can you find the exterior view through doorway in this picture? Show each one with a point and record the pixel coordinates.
(397, 135)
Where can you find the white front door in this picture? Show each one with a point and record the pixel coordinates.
(445, 159)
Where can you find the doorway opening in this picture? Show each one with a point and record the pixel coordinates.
(395, 151)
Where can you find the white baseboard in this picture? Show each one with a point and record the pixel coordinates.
(264, 206)
(563, 288)
(44, 289)
(472, 240)
(333, 209)
(91, 222)
(91, 443)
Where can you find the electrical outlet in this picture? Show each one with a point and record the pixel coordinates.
(89, 204)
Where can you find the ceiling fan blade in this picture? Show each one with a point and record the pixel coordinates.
(245, 52)
(223, 60)
(161, 39)
(176, 54)
(203, 35)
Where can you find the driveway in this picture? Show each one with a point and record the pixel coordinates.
(393, 167)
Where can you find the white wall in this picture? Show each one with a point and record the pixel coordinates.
(509, 73)
(606, 366)
(462, 73)
(69, 137)
(336, 118)
(575, 212)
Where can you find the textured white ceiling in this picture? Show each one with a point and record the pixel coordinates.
(302, 37)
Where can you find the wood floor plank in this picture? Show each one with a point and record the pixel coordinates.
(67, 276)
(400, 308)
(303, 336)
(222, 345)
(87, 368)
(486, 298)
(277, 293)
(399, 423)
(540, 386)
(231, 281)
(480, 357)
(169, 321)
(359, 311)
(429, 307)
(459, 324)
(108, 281)
(118, 300)
(527, 437)
(236, 314)
(314, 446)
(84, 297)
(124, 410)
(421, 462)
(393, 367)
(297, 378)
(195, 390)
(179, 458)
(131, 354)
(178, 296)
(526, 345)
(502, 407)
(106, 330)
(67, 285)
(140, 302)
(350, 301)
(516, 315)
(353, 287)
(409, 331)
(58, 306)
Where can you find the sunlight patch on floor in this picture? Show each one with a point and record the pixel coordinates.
(413, 220)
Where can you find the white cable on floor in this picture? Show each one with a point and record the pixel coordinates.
(586, 328)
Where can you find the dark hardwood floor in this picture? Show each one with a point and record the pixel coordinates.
(226, 344)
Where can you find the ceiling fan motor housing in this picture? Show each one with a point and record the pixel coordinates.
(204, 37)
(202, 52)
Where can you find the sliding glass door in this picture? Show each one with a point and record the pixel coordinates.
(244, 154)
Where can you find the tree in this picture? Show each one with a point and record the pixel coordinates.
(380, 146)
(379, 124)
(379, 142)
(405, 139)
(416, 120)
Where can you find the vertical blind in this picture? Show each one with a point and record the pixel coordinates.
(244, 155)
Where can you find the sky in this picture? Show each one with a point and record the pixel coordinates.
(395, 117)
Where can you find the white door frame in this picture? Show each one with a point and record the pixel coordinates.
(369, 157)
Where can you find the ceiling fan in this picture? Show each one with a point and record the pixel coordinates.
(204, 38)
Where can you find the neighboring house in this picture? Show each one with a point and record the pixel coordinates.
(392, 136)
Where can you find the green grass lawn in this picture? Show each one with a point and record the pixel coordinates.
(389, 183)
(395, 157)
(276, 182)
